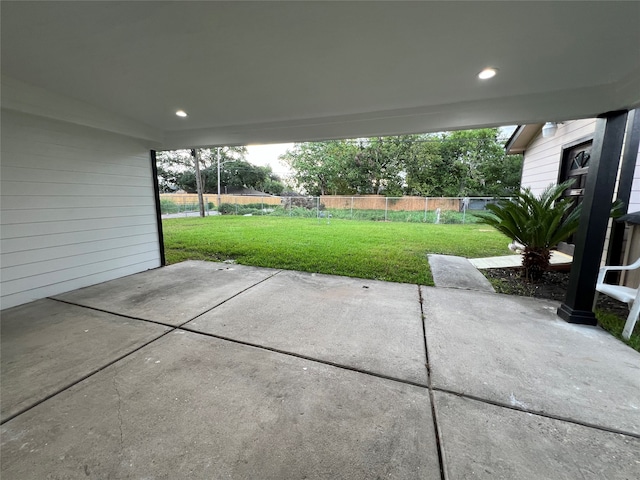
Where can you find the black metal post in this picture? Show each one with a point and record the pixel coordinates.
(596, 209)
(627, 168)
(156, 191)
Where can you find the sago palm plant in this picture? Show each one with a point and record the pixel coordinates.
(538, 223)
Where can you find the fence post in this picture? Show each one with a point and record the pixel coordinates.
(262, 204)
(465, 206)
(318, 208)
(386, 205)
(426, 207)
(351, 208)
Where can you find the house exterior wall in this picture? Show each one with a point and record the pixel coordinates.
(542, 158)
(634, 199)
(78, 207)
(541, 162)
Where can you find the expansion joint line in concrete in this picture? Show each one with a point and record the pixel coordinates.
(172, 328)
(537, 413)
(436, 427)
(115, 386)
(82, 378)
(429, 386)
(95, 309)
(231, 297)
(501, 404)
(306, 357)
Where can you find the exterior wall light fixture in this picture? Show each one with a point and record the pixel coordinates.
(549, 129)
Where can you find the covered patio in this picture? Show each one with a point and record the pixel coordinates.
(115, 366)
(206, 370)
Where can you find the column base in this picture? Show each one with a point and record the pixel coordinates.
(580, 317)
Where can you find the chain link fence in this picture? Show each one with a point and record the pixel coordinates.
(447, 210)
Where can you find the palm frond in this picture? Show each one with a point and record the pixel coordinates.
(538, 222)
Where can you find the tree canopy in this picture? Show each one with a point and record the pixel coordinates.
(176, 171)
(462, 163)
(449, 164)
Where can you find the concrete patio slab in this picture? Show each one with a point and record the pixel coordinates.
(516, 351)
(363, 324)
(482, 441)
(449, 271)
(173, 294)
(192, 406)
(49, 345)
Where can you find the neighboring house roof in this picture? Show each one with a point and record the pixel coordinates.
(522, 137)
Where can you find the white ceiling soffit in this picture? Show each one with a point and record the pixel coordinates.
(522, 137)
(260, 72)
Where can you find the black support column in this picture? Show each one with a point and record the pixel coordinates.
(627, 168)
(596, 208)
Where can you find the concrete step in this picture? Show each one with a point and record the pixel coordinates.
(457, 272)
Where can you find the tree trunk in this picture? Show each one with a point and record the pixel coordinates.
(535, 262)
(196, 161)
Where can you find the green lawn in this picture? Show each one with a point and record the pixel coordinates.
(395, 252)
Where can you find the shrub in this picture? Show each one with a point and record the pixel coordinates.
(168, 206)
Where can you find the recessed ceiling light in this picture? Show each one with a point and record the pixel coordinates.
(487, 73)
(181, 113)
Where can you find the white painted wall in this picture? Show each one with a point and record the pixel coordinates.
(634, 199)
(77, 207)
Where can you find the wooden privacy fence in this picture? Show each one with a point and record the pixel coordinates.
(377, 202)
(360, 202)
(192, 198)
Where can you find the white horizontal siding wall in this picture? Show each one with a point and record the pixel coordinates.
(634, 199)
(77, 207)
(542, 158)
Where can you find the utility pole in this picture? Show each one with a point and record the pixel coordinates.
(218, 155)
(196, 161)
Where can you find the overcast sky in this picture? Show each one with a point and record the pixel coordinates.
(268, 155)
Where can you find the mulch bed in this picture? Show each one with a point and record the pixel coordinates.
(553, 286)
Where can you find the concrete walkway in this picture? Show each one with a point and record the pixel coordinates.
(205, 370)
(508, 261)
(449, 271)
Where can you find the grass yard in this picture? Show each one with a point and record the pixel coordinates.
(395, 252)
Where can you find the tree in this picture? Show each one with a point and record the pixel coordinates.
(380, 163)
(320, 168)
(345, 167)
(538, 223)
(196, 162)
(171, 166)
(479, 160)
(272, 183)
(430, 173)
(463, 163)
(176, 171)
